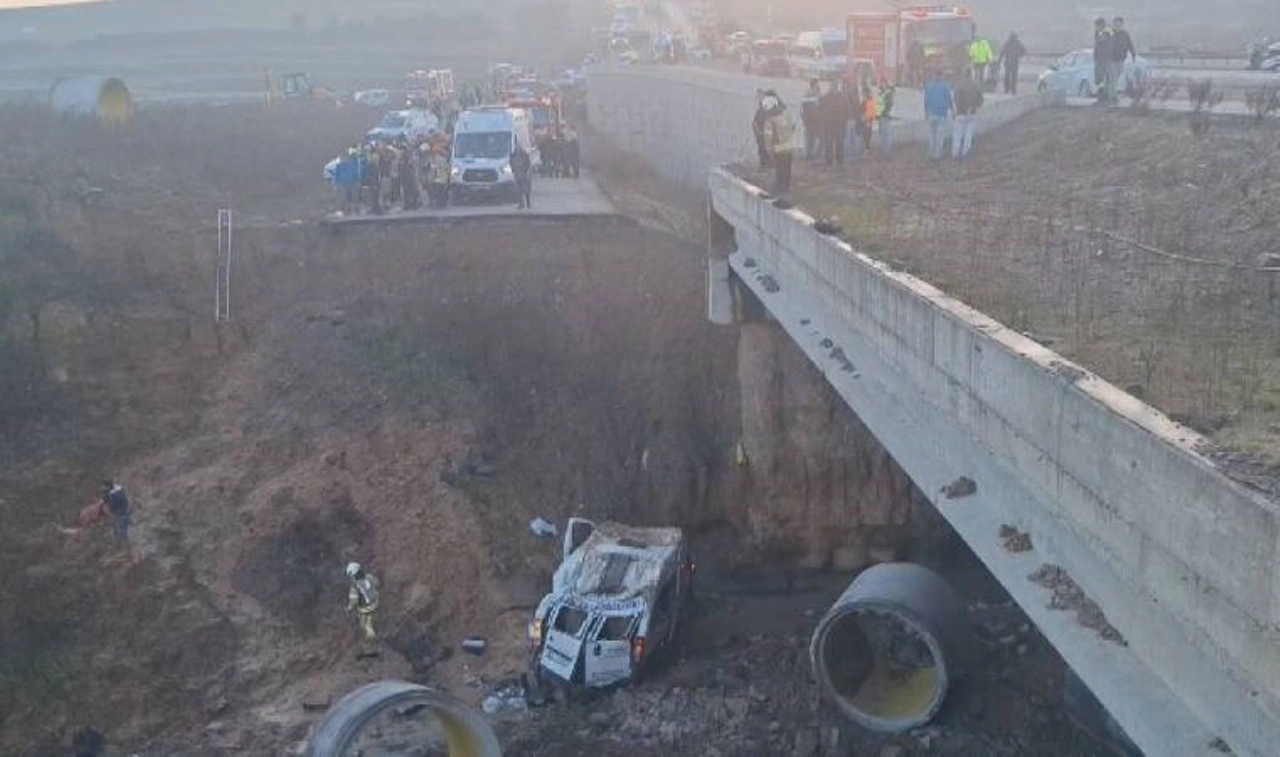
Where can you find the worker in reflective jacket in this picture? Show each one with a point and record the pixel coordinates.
(362, 597)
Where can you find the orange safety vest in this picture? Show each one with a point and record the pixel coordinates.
(869, 109)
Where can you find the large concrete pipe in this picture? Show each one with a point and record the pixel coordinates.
(103, 97)
(467, 734)
(886, 651)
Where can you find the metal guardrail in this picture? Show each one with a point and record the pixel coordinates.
(1169, 59)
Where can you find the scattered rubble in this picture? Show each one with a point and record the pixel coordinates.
(1067, 595)
(961, 487)
(1014, 540)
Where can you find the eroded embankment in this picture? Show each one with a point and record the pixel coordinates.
(410, 398)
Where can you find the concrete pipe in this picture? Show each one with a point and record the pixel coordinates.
(887, 650)
(467, 734)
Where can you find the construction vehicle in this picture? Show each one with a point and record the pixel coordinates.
(883, 41)
(619, 596)
(296, 86)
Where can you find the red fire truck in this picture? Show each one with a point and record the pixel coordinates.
(939, 33)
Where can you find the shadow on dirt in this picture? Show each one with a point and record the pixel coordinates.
(291, 571)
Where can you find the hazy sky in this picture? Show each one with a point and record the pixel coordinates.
(29, 3)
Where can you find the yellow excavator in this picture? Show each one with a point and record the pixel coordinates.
(295, 87)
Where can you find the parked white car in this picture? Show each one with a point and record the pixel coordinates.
(1073, 73)
(409, 124)
(618, 597)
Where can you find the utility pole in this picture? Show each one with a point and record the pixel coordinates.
(222, 269)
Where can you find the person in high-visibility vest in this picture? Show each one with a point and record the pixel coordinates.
(980, 57)
(870, 113)
(885, 117)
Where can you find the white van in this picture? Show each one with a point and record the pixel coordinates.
(819, 54)
(483, 141)
(617, 598)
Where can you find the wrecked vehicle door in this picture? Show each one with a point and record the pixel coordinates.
(609, 649)
(566, 633)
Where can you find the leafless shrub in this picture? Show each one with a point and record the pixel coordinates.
(1263, 101)
(1150, 89)
(1203, 98)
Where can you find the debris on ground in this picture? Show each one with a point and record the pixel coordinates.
(1014, 540)
(830, 226)
(961, 487)
(542, 528)
(474, 645)
(508, 697)
(1067, 595)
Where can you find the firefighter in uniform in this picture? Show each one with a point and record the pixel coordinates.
(362, 598)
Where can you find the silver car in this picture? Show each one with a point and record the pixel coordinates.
(1073, 73)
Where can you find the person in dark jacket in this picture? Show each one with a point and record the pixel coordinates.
(1011, 55)
(522, 169)
(1102, 37)
(1121, 51)
(409, 187)
(968, 98)
(116, 502)
(757, 129)
(372, 177)
(833, 119)
(809, 119)
(915, 63)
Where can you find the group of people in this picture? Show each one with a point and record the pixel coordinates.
(843, 119)
(951, 108)
(1112, 48)
(978, 55)
(561, 153)
(373, 176)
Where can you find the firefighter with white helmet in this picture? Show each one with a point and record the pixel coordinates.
(362, 598)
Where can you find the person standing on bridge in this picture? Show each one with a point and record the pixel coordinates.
(809, 120)
(885, 117)
(1011, 55)
(779, 135)
(980, 55)
(757, 130)
(916, 63)
(939, 105)
(967, 98)
(1102, 38)
(522, 169)
(437, 176)
(1121, 50)
(832, 120)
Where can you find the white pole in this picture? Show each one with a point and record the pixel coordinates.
(228, 273)
(217, 275)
